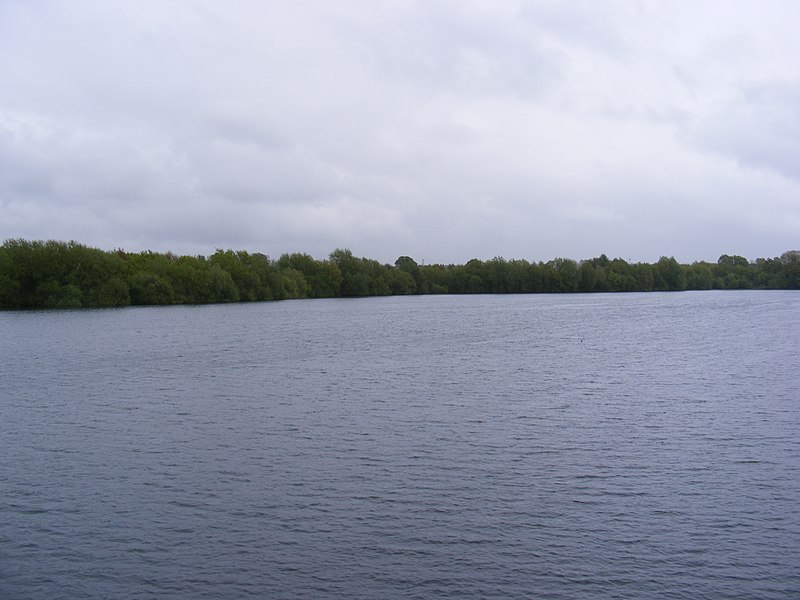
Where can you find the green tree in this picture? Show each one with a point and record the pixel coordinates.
(436, 279)
(222, 287)
(149, 288)
(323, 277)
(644, 275)
(191, 280)
(791, 264)
(699, 276)
(733, 272)
(588, 277)
(566, 277)
(400, 282)
(410, 266)
(496, 274)
(112, 293)
(668, 275)
(360, 276)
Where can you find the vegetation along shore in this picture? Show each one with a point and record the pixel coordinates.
(55, 274)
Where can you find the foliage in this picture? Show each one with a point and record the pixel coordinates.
(53, 274)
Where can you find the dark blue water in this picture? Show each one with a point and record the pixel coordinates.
(580, 446)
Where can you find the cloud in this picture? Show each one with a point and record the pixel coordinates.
(759, 128)
(443, 130)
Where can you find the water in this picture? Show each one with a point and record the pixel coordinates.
(578, 446)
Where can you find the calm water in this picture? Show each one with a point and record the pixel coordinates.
(581, 446)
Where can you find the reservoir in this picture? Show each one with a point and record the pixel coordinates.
(526, 446)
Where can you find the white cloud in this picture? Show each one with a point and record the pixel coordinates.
(443, 130)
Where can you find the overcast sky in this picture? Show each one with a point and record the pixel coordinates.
(442, 130)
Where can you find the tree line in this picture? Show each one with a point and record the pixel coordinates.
(55, 274)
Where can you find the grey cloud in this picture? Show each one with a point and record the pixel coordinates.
(444, 130)
(759, 128)
(467, 48)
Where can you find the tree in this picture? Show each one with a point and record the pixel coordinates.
(360, 276)
(588, 277)
(148, 288)
(288, 284)
(791, 262)
(567, 277)
(323, 277)
(496, 275)
(222, 287)
(699, 276)
(668, 275)
(401, 282)
(644, 276)
(436, 279)
(733, 272)
(54, 274)
(732, 261)
(410, 266)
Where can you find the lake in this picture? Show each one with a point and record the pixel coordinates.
(555, 446)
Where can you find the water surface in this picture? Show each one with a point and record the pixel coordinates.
(568, 446)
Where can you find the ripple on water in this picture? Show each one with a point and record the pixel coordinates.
(468, 447)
